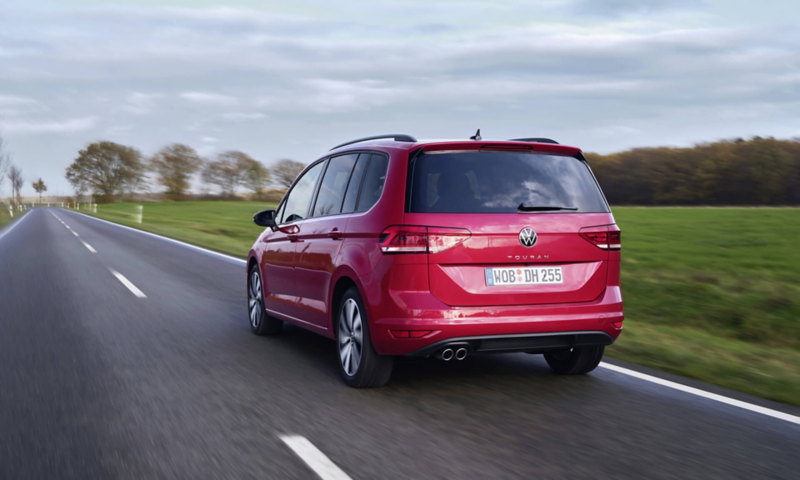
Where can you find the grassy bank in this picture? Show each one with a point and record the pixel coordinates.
(223, 226)
(712, 294)
(5, 217)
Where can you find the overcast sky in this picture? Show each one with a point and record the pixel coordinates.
(292, 79)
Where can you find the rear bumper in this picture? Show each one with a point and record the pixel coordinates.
(533, 328)
(530, 342)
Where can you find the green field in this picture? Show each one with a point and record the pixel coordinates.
(5, 216)
(710, 293)
(223, 226)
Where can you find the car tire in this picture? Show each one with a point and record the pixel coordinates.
(359, 364)
(576, 361)
(260, 322)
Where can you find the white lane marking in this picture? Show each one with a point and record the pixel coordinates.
(127, 283)
(74, 233)
(189, 245)
(314, 458)
(702, 393)
(12, 226)
(89, 247)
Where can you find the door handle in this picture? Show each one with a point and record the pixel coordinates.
(292, 237)
(335, 234)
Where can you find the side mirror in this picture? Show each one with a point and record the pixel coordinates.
(265, 218)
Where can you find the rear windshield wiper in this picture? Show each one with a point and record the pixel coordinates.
(542, 208)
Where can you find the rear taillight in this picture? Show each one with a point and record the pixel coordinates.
(414, 239)
(606, 237)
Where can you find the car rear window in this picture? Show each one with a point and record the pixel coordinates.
(499, 182)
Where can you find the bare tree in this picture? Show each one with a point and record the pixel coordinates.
(15, 175)
(40, 187)
(5, 162)
(285, 171)
(228, 171)
(256, 175)
(175, 166)
(107, 168)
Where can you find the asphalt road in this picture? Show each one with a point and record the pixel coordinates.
(97, 382)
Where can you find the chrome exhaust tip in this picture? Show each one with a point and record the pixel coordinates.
(461, 353)
(446, 354)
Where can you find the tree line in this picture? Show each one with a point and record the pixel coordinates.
(759, 171)
(110, 170)
(14, 173)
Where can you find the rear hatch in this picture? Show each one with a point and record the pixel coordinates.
(505, 227)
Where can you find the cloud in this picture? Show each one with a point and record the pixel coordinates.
(139, 103)
(581, 70)
(614, 8)
(204, 98)
(38, 128)
(12, 100)
(243, 117)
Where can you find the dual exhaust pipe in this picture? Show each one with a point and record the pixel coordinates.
(448, 354)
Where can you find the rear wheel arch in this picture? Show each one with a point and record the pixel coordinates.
(342, 285)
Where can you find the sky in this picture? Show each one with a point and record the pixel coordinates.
(292, 79)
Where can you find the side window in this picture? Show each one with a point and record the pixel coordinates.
(300, 196)
(355, 182)
(373, 182)
(334, 183)
(279, 213)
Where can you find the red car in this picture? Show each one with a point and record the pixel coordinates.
(398, 247)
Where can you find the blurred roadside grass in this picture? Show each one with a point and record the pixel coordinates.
(5, 217)
(710, 293)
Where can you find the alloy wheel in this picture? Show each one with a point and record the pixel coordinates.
(350, 337)
(254, 294)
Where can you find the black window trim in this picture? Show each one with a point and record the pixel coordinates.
(358, 193)
(289, 192)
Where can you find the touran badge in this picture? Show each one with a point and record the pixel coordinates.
(527, 237)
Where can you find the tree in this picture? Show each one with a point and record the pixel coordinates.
(229, 170)
(40, 187)
(15, 175)
(107, 168)
(5, 162)
(286, 171)
(175, 166)
(256, 175)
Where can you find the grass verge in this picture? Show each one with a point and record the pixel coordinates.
(710, 293)
(5, 217)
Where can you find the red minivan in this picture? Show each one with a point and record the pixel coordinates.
(398, 247)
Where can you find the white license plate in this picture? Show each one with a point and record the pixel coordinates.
(496, 277)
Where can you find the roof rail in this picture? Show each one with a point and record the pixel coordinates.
(537, 140)
(397, 137)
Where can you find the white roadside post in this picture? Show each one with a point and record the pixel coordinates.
(140, 214)
(94, 208)
(11, 211)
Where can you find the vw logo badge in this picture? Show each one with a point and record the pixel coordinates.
(527, 237)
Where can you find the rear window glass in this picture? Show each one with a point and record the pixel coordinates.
(372, 187)
(499, 182)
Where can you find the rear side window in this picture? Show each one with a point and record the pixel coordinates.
(374, 180)
(300, 197)
(334, 183)
(355, 182)
(499, 182)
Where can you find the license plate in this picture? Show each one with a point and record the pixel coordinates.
(496, 277)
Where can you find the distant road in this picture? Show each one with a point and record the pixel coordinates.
(124, 355)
